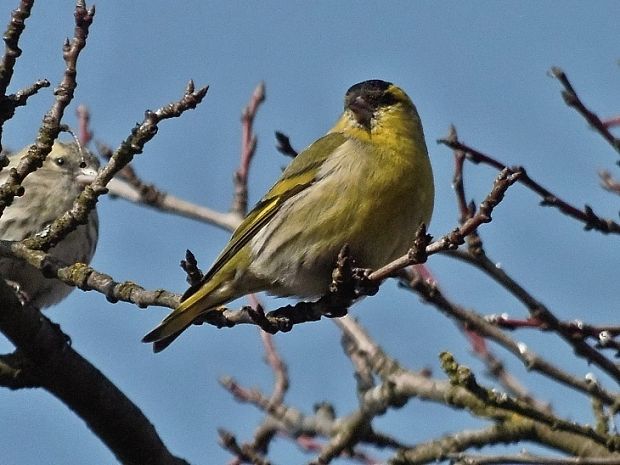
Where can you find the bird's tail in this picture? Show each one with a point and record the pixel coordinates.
(196, 301)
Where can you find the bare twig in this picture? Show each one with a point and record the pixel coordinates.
(541, 313)
(169, 203)
(248, 148)
(270, 426)
(243, 453)
(278, 367)
(445, 447)
(344, 432)
(132, 146)
(457, 180)
(480, 348)
(134, 189)
(586, 216)
(190, 266)
(612, 122)
(572, 100)
(283, 145)
(51, 126)
(497, 369)
(8, 103)
(16, 372)
(514, 420)
(452, 240)
(603, 335)
(472, 320)
(11, 36)
(84, 133)
(608, 182)
(131, 187)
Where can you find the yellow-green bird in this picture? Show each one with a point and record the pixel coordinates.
(367, 183)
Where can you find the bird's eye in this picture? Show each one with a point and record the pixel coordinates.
(388, 99)
(60, 161)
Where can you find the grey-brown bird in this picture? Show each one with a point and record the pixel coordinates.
(49, 192)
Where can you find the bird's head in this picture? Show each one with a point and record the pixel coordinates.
(376, 106)
(69, 159)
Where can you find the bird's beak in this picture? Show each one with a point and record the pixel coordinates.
(361, 110)
(86, 176)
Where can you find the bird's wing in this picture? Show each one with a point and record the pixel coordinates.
(301, 173)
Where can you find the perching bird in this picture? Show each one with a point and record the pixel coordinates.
(49, 192)
(368, 183)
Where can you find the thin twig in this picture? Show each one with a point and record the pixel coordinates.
(532, 361)
(496, 368)
(540, 312)
(455, 238)
(243, 453)
(572, 100)
(604, 335)
(132, 146)
(514, 420)
(151, 196)
(608, 182)
(85, 134)
(11, 37)
(278, 367)
(9, 103)
(51, 125)
(248, 148)
(612, 122)
(480, 348)
(283, 145)
(586, 216)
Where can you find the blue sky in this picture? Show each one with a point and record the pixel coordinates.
(482, 66)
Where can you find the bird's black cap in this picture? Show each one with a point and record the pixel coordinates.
(372, 86)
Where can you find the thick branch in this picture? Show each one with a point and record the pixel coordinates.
(525, 458)
(84, 389)
(87, 278)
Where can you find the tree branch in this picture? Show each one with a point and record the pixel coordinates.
(248, 148)
(532, 361)
(133, 145)
(57, 368)
(572, 100)
(87, 278)
(51, 125)
(540, 312)
(586, 216)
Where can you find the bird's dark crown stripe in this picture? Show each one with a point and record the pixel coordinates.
(370, 86)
